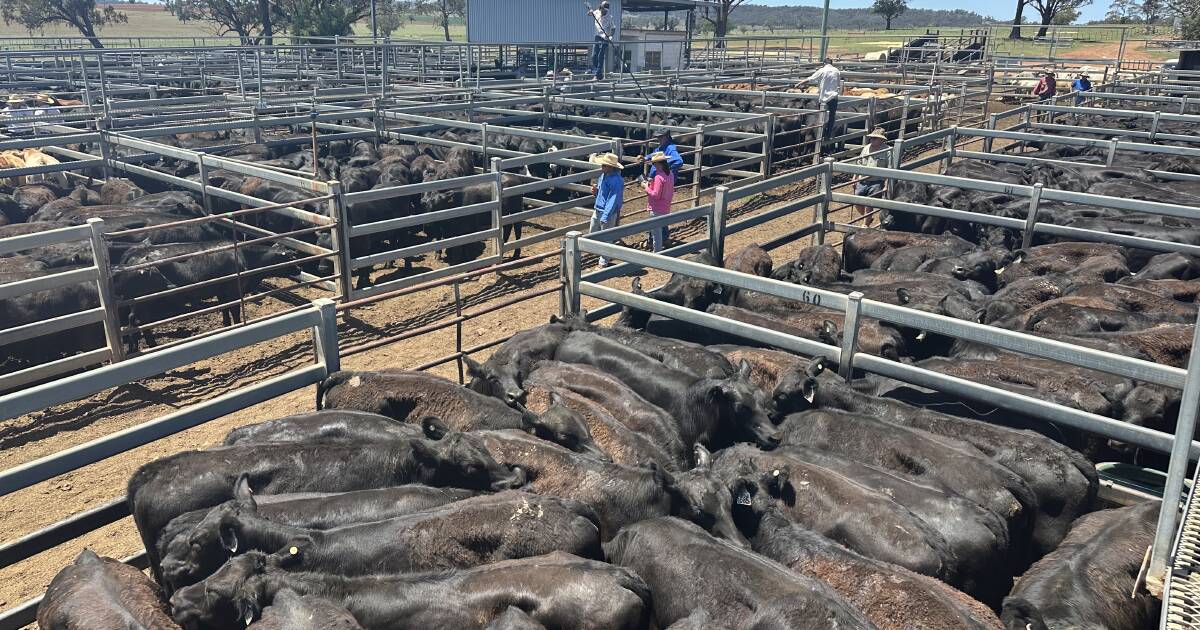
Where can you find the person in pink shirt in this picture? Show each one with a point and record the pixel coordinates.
(660, 189)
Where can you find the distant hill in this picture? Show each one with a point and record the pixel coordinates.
(798, 17)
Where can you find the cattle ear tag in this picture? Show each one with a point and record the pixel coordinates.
(248, 617)
(744, 497)
(294, 550)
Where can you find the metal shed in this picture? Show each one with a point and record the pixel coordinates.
(533, 21)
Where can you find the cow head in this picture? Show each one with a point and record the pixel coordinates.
(500, 384)
(796, 389)
(700, 497)
(461, 460)
(562, 425)
(754, 493)
(198, 553)
(229, 598)
(743, 407)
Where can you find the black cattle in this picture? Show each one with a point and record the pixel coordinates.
(1063, 481)
(502, 374)
(415, 396)
(860, 250)
(954, 463)
(101, 593)
(314, 510)
(711, 411)
(693, 575)
(1073, 319)
(873, 337)
(1179, 290)
(816, 264)
(1021, 295)
(1083, 262)
(1170, 266)
(466, 533)
(558, 590)
(327, 425)
(751, 259)
(469, 196)
(827, 502)
(289, 611)
(1090, 580)
(680, 290)
(239, 269)
(514, 619)
(891, 597)
(620, 495)
(982, 551)
(165, 488)
(639, 417)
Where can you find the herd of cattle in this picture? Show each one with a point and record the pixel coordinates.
(605, 477)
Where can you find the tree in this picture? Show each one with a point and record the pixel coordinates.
(890, 10)
(1015, 33)
(1123, 11)
(443, 10)
(1065, 17)
(322, 18)
(81, 14)
(718, 17)
(241, 17)
(1152, 11)
(1047, 9)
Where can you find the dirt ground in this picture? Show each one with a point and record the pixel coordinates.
(53, 430)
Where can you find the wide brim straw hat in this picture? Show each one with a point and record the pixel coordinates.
(658, 156)
(606, 159)
(13, 98)
(878, 133)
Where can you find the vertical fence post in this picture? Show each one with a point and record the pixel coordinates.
(904, 111)
(203, 168)
(1112, 151)
(325, 337)
(850, 335)
(343, 262)
(716, 224)
(572, 270)
(1164, 533)
(1154, 125)
(102, 125)
(1035, 200)
(699, 161)
(825, 186)
(103, 83)
(951, 140)
(458, 331)
(896, 158)
(104, 286)
(823, 119)
(498, 210)
(991, 83)
(768, 146)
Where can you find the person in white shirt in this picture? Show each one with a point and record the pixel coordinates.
(874, 153)
(602, 22)
(829, 87)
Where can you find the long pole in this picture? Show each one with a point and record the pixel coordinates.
(374, 32)
(824, 31)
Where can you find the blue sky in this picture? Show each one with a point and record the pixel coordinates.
(993, 8)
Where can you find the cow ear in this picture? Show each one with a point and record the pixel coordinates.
(904, 296)
(744, 369)
(554, 319)
(249, 610)
(243, 495)
(664, 478)
(829, 328)
(703, 457)
(294, 552)
(555, 399)
(777, 481)
(474, 368)
(714, 394)
(743, 491)
(815, 367)
(433, 428)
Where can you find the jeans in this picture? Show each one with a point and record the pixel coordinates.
(596, 225)
(831, 107)
(599, 53)
(658, 235)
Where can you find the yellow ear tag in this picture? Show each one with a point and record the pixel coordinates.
(294, 550)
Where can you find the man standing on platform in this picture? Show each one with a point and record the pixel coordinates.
(602, 22)
(829, 87)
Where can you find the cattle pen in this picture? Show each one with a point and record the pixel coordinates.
(174, 119)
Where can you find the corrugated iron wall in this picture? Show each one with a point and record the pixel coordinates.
(533, 21)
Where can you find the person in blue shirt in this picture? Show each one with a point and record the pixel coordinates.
(610, 195)
(1081, 85)
(666, 145)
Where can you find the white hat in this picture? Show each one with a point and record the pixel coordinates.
(878, 133)
(606, 159)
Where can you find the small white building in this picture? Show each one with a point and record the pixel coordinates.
(648, 50)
